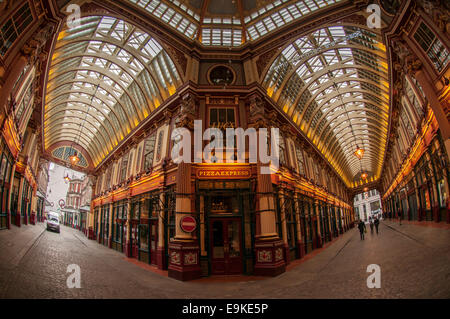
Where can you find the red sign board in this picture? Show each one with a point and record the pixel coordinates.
(188, 224)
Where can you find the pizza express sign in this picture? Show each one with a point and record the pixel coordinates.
(223, 173)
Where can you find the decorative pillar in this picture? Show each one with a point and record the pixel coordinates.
(299, 211)
(435, 203)
(128, 228)
(317, 241)
(284, 223)
(160, 258)
(184, 250)
(268, 245)
(111, 207)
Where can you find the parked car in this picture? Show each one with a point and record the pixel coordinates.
(53, 222)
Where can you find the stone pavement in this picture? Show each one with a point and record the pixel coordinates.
(414, 261)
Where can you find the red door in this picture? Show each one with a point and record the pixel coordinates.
(134, 239)
(226, 248)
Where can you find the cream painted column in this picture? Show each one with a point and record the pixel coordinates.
(300, 243)
(203, 251)
(297, 217)
(318, 238)
(283, 215)
(183, 200)
(127, 240)
(111, 207)
(161, 217)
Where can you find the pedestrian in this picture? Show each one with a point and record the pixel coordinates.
(362, 229)
(400, 217)
(371, 225)
(376, 223)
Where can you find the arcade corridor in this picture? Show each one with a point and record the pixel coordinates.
(414, 262)
(225, 148)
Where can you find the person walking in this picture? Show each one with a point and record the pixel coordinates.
(400, 217)
(362, 229)
(376, 223)
(371, 225)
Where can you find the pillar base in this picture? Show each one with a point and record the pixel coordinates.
(287, 256)
(300, 249)
(161, 261)
(269, 258)
(184, 261)
(127, 249)
(448, 211)
(317, 242)
(436, 213)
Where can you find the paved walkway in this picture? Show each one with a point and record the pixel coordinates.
(414, 261)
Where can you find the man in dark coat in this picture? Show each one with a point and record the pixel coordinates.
(362, 229)
(376, 223)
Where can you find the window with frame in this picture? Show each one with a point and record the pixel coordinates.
(138, 159)
(433, 47)
(413, 99)
(99, 183)
(316, 173)
(300, 160)
(123, 167)
(14, 27)
(282, 148)
(108, 177)
(27, 96)
(222, 118)
(149, 152)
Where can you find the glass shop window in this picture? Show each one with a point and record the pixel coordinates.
(433, 47)
(291, 221)
(224, 204)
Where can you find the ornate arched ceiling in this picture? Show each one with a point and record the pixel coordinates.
(333, 83)
(105, 77)
(229, 22)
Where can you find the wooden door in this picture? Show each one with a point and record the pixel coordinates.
(226, 246)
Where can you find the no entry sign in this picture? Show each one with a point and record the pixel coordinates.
(188, 224)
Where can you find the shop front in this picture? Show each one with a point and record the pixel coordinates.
(227, 222)
(119, 228)
(6, 164)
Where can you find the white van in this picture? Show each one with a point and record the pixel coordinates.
(53, 221)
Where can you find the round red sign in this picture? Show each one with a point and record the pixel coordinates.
(188, 224)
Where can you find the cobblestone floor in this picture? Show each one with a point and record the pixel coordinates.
(414, 261)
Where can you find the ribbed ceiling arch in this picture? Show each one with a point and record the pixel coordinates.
(333, 83)
(106, 76)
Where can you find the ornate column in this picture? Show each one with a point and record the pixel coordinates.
(111, 207)
(268, 245)
(435, 203)
(317, 240)
(128, 228)
(299, 211)
(284, 223)
(160, 258)
(184, 250)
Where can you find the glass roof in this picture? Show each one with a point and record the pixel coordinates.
(229, 22)
(106, 76)
(333, 83)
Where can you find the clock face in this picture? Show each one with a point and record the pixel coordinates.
(221, 75)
